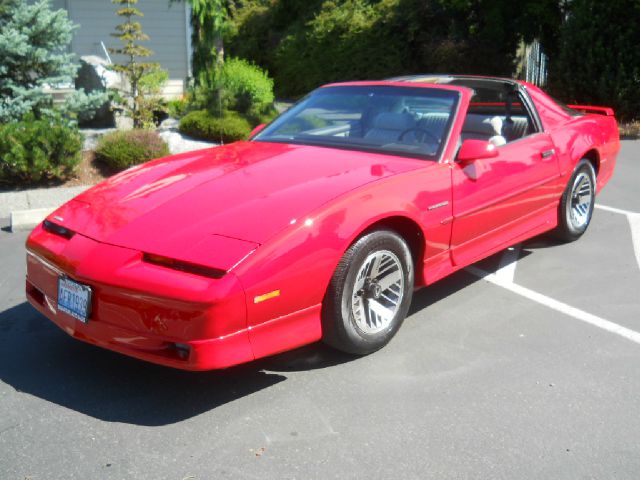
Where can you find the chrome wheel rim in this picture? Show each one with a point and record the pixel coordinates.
(377, 291)
(581, 199)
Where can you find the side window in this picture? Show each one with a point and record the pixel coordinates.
(519, 123)
(498, 116)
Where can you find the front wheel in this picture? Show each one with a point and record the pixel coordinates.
(576, 205)
(369, 294)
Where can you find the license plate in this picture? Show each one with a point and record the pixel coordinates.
(74, 299)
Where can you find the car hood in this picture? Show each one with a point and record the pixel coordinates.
(246, 191)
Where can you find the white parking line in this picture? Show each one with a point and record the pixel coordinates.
(634, 223)
(508, 263)
(615, 210)
(558, 306)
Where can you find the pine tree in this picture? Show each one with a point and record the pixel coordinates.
(34, 54)
(130, 34)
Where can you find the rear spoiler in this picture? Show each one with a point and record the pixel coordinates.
(589, 109)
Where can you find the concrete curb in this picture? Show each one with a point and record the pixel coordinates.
(27, 219)
(27, 208)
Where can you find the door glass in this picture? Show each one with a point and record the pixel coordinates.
(498, 115)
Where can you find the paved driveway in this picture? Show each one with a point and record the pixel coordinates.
(531, 372)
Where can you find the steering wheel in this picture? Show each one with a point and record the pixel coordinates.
(421, 135)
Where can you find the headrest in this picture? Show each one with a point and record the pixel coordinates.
(394, 121)
(431, 118)
(482, 124)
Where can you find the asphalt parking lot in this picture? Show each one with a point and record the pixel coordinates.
(530, 373)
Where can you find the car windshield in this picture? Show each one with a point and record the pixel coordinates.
(409, 121)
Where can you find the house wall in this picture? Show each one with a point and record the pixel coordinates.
(166, 25)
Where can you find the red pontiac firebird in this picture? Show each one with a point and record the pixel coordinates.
(322, 225)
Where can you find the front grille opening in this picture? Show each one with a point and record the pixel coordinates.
(57, 229)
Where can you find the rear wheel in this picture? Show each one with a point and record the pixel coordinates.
(576, 205)
(369, 294)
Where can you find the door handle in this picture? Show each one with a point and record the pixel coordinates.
(547, 153)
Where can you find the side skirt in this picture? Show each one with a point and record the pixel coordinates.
(541, 221)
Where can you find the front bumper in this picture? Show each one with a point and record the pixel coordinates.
(145, 311)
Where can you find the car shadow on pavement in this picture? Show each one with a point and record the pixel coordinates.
(425, 297)
(545, 240)
(38, 359)
(310, 357)
(319, 355)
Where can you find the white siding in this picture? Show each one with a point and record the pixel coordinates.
(166, 26)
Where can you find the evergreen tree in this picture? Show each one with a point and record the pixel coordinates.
(210, 20)
(130, 34)
(34, 54)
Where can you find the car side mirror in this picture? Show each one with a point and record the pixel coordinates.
(257, 130)
(472, 150)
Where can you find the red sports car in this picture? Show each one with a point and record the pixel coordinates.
(322, 225)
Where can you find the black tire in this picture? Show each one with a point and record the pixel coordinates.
(572, 225)
(344, 326)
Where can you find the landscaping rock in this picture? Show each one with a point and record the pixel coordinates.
(92, 135)
(94, 75)
(178, 143)
(168, 130)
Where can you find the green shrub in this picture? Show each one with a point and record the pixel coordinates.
(236, 85)
(178, 108)
(247, 88)
(34, 150)
(226, 129)
(123, 149)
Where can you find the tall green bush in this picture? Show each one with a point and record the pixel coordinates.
(258, 26)
(36, 150)
(598, 59)
(306, 44)
(350, 39)
(236, 85)
(245, 87)
(209, 21)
